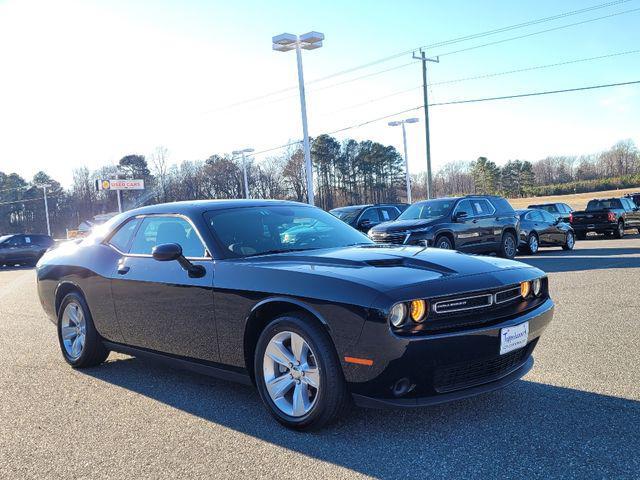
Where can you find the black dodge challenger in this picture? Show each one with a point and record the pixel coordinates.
(293, 300)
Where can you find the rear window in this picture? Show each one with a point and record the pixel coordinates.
(502, 205)
(611, 203)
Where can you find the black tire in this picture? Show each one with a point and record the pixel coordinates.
(444, 242)
(619, 232)
(568, 245)
(332, 396)
(508, 246)
(93, 351)
(533, 247)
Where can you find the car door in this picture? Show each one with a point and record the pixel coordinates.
(467, 230)
(16, 250)
(369, 218)
(484, 216)
(632, 213)
(556, 236)
(158, 305)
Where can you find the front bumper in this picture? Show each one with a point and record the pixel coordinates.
(440, 367)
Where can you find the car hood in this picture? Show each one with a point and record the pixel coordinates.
(385, 268)
(404, 225)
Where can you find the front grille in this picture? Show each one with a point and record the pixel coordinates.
(388, 237)
(463, 303)
(470, 374)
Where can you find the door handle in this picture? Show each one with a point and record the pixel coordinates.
(123, 269)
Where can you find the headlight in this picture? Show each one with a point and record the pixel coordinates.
(525, 289)
(397, 314)
(417, 310)
(536, 287)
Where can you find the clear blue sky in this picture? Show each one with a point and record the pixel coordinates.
(86, 82)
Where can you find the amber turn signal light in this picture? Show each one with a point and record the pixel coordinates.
(525, 289)
(418, 310)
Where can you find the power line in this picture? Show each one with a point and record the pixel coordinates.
(444, 43)
(534, 94)
(26, 200)
(488, 75)
(456, 102)
(537, 33)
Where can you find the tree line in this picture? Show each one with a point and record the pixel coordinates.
(345, 173)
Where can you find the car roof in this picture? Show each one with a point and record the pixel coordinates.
(533, 205)
(200, 206)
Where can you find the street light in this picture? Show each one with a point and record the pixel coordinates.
(244, 168)
(406, 157)
(308, 41)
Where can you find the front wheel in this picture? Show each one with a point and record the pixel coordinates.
(508, 246)
(80, 342)
(443, 242)
(298, 374)
(619, 232)
(532, 244)
(569, 242)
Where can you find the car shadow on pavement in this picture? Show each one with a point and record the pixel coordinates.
(526, 430)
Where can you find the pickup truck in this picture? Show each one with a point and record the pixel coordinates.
(608, 215)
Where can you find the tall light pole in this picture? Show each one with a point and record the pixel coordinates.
(309, 41)
(46, 205)
(406, 156)
(244, 169)
(423, 58)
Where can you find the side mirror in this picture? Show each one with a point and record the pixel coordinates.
(365, 224)
(460, 216)
(167, 252)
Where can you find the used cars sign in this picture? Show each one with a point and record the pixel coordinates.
(120, 184)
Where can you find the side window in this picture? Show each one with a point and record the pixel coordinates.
(547, 217)
(122, 237)
(156, 230)
(465, 206)
(27, 240)
(536, 216)
(388, 213)
(16, 241)
(370, 214)
(482, 207)
(567, 208)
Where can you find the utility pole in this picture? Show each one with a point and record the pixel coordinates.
(423, 57)
(46, 207)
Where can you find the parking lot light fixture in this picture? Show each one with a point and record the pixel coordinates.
(397, 123)
(244, 168)
(308, 41)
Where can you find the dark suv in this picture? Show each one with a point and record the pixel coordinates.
(363, 217)
(473, 224)
(23, 249)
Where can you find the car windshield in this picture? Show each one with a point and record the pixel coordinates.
(346, 214)
(603, 204)
(250, 231)
(428, 209)
(4, 238)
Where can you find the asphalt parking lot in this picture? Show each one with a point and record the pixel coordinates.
(575, 415)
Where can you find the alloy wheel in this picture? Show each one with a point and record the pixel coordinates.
(291, 374)
(533, 243)
(570, 241)
(509, 246)
(73, 330)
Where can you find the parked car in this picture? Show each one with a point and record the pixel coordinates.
(23, 249)
(363, 217)
(635, 197)
(312, 323)
(539, 228)
(473, 224)
(608, 215)
(560, 211)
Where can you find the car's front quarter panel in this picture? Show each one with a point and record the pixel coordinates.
(417, 357)
(87, 267)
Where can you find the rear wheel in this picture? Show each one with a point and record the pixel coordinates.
(443, 242)
(80, 342)
(298, 374)
(619, 231)
(533, 244)
(508, 245)
(569, 242)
